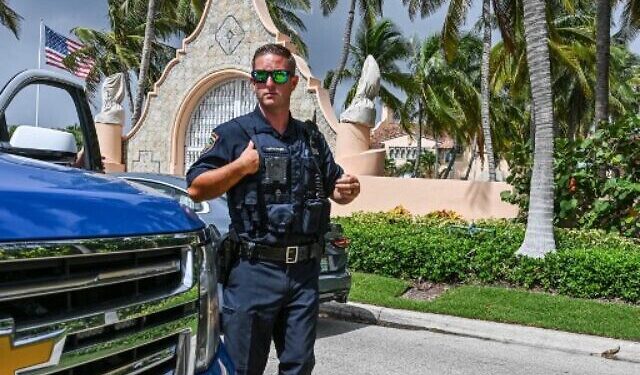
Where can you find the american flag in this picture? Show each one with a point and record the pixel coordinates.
(57, 47)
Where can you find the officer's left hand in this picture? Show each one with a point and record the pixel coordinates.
(347, 189)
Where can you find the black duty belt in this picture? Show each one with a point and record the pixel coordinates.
(287, 254)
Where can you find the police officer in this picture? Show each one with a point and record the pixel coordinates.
(278, 173)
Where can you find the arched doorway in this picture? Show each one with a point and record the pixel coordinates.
(222, 103)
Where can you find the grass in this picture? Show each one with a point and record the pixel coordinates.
(535, 309)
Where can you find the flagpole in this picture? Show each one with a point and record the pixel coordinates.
(39, 67)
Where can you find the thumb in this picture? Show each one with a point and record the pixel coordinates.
(250, 145)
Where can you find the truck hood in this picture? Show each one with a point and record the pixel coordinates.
(43, 201)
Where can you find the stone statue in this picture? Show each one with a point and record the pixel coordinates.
(113, 91)
(362, 109)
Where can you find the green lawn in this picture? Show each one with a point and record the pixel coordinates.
(508, 306)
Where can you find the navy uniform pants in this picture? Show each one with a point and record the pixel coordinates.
(264, 301)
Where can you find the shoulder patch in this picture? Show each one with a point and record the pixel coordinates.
(212, 141)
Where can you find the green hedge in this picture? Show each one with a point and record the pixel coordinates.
(587, 264)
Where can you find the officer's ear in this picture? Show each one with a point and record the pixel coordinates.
(294, 82)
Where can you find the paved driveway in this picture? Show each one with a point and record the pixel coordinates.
(356, 349)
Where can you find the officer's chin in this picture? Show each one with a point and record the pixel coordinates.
(270, 103)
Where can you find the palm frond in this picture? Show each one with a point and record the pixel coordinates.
(456, 16)
(630, 22)
(10, 18)
(283, 13)
(423, 7)
(328, 6)
(566, 57)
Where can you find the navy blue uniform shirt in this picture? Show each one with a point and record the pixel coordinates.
(229, 140)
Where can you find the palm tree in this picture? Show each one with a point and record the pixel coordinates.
(484, 88)
(154, 11)
(603, 45)
(416, 165)
(149, 39)
(114, 51)
(572, 53)
(384, 41)
(370, 9)
(9, 18)
(625, 81)
(630, 24)
(187, 15)
(119, 50)
(630, 21)
(283, 13)
(539, 238)
(456, 15)
(445, 93)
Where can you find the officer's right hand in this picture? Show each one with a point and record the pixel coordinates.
(249, 159)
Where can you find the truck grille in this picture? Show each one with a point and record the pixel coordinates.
(158, 357)
(35, 289)
(125, 306)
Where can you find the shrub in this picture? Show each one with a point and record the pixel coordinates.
(443, 248)
(596, 179)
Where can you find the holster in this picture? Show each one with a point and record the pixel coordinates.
(228, 253)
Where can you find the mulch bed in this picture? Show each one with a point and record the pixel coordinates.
(425, 290)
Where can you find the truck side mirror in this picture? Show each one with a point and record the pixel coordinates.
(43, 139)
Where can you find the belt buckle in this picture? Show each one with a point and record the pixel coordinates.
(291, 255)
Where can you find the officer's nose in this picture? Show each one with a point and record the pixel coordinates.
(270, 81)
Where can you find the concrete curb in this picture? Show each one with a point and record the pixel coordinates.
(500, 332)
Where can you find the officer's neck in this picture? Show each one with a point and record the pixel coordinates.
(277, 118)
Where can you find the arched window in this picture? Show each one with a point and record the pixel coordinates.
(222, 103)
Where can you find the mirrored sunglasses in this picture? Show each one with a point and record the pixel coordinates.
(278, 76)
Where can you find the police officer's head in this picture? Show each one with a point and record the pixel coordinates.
(273, 77)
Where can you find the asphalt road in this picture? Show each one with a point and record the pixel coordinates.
(357, 349)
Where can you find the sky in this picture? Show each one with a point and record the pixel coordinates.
(323, 36)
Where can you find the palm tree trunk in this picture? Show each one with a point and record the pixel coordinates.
(603, 42)
(127, 81)
(346, 42)
(532, 126)
(472, 157)
(452, 160)
(416, 167)
(486, 52)
(149, 36)
(539, 238)
(436, 163)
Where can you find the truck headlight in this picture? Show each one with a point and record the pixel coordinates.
(209, 324)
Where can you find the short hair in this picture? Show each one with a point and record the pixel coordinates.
(278, 50)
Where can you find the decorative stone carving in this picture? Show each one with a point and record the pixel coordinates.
(146, 162)
(362, 110)
(229, 35)
(113, 91)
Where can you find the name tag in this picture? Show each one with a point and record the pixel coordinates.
(275, 150)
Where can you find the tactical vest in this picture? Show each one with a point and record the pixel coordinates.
(286, 196)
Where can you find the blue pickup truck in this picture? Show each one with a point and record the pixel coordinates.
(96, 276)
